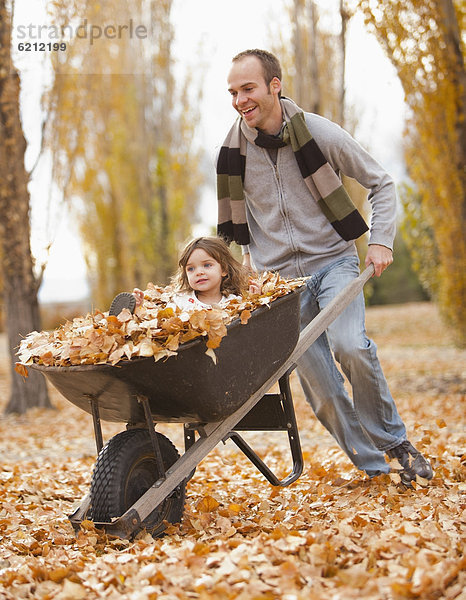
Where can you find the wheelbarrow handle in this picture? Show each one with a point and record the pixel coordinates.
(327, 315)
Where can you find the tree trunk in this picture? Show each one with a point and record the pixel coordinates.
(453, 38)
(306, 83)
(19, 284)
(298, 51)
(344, 16)
(314, 60)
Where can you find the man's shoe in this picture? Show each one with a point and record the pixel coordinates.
(412, 461)
(121, 301)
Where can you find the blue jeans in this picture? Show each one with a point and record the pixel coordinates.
(368, 425)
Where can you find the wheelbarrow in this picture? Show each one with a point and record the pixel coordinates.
(139, 479)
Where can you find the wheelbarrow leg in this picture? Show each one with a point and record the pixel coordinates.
(83, 509)
(94, 402)
(287, 422)
(153, 436)
(80, 513)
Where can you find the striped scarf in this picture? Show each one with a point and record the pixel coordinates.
(323, 183)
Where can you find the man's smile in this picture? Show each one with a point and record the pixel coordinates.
(247, 111)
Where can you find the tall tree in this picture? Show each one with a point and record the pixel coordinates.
(314, 72)
(19, 284)
(423, 40)
(313, 61)
(306, 83)
(122, 138)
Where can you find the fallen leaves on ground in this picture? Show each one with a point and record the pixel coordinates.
(155, 329)
(333, 534)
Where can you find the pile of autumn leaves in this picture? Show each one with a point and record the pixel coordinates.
(154, 329)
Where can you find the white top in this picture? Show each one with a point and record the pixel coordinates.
(188, 301)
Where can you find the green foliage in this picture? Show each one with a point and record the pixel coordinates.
(418, 237)
(399, 283)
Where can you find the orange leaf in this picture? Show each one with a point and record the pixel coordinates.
(58, 575)
(21, 369)
(47, 359)
(172, 325)
(112, 320)
(213, 341)
(245, 316)
(189, 335)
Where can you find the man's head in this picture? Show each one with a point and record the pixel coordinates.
(270, 64)
(255, 86)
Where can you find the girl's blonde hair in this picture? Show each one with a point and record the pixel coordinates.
(236, 279)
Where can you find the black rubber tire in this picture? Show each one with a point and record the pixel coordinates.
(124, 471)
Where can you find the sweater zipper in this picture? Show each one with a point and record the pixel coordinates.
(283, 207)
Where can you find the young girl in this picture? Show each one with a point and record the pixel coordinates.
(208, 275)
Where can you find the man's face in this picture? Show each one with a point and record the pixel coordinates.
(256, 102)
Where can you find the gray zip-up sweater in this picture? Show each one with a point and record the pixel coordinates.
(288, 231)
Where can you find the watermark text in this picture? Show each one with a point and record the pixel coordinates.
(84, 31)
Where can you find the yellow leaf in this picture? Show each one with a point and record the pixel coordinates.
(166, 313)
(207, 504)
(234, 508)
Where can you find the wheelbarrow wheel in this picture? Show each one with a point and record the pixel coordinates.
(125, 469)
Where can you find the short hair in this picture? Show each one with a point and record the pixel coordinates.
(270, 63)
(237, 277)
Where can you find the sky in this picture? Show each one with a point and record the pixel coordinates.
(218, 29)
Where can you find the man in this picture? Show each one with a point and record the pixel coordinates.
(281, 198)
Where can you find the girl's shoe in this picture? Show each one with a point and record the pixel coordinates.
(121, 301)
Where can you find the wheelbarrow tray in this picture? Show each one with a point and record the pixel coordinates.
(189, 386)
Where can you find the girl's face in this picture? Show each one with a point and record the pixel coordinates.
(204, 273)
